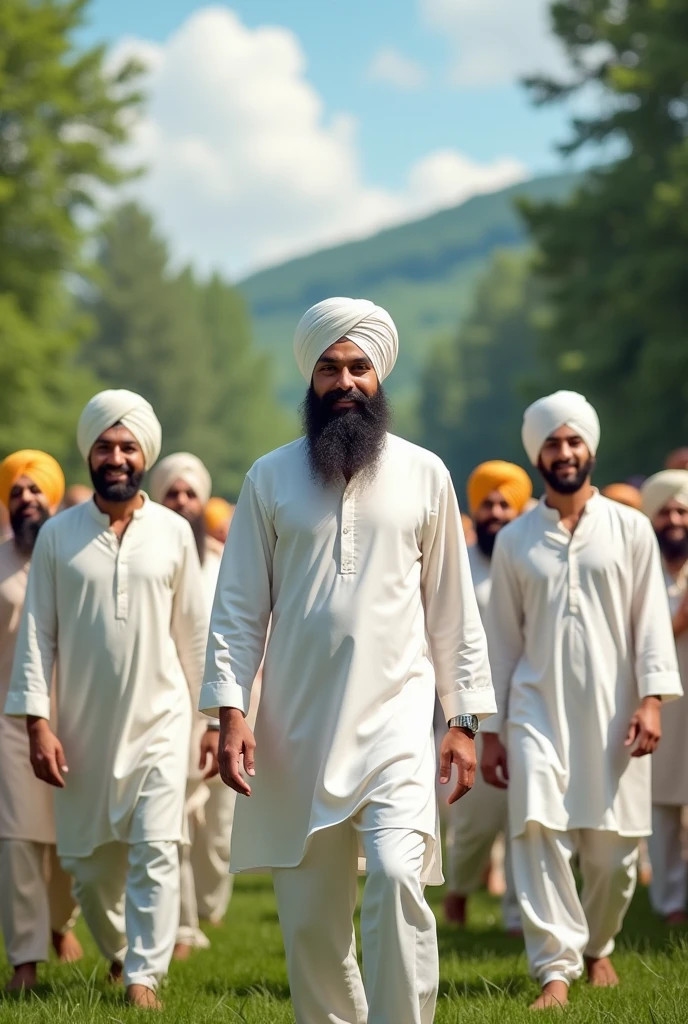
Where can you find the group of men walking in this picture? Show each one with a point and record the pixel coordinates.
(346, 583)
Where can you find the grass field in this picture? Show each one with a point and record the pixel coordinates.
(484, 978)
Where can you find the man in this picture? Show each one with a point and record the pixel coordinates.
(497, 493)
(351, 540)
(678, 459)
(665, 501)
(582, 654)
(115, 602)
(182, 483)
(35, 893)
(218, 516)
(76, 494)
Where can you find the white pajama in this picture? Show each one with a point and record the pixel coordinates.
(209, 853)
(316, 903)
(35, 899)
(559, 926)
(129, 896)
(669, 886)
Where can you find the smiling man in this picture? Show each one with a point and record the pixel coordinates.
(349, 541)
(582, 654)
(35, 893)
(115, 603)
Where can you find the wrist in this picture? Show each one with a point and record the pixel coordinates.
(228, 715)
(34, 724)
(462, 729)
(651, 701)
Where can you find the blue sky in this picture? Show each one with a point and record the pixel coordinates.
(402, 106)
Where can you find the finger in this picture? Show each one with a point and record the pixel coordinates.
(212, 770)
(51, 773)
(504, 765)
(492, 778)
(249, 757)
(457, 793)
(234, 777)
(61, 759)
(633, 730)
(445, 766)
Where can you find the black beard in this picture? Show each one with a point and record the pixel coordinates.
(116, 492)
(672, 549)
(484, 538)
(567, 486)
(197, 524)
(26, 530)
(349, 443)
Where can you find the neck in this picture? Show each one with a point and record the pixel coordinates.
(119, 511)
(569, 504)
(22, 550)
(674, 565)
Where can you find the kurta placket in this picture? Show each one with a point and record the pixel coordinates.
(348, 534)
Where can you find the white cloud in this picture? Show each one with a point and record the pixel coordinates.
(391, 66)
(496, 41)
(244, 165)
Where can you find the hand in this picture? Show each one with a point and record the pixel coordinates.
(46, 753)
(236, 742)
(645, 729)
(494, 764)
(208, 763)
(458, 747)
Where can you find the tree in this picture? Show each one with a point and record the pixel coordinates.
(613, 258)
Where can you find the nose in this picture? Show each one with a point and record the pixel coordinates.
(117, 457)
(345, 380)
(565, 451)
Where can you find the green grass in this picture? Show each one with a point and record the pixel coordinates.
(484, 977)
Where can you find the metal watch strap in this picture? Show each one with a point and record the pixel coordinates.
(469, 722)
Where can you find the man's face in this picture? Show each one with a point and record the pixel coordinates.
(28, 510)
(671, 526)
(492, 514)
(117, 464)
(565, 461)
(343, 372)
(182, 498)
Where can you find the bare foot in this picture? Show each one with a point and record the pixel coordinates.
(67, 947)
(182, 951)
(677, 917)
(24, 977)
(143, 998)
(455, 908)
(114, 975)
(554, 996)
(601, 973)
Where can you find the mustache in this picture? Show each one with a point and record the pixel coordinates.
(340, 395)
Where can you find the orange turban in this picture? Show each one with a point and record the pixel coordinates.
(217, 513)
(625, 494)
(512, 482)
(39, 467)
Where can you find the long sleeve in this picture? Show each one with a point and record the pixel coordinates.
(452, 621)
(242, 607)
(34, 658)
(189, 616)
(504, 626)
(656, 667)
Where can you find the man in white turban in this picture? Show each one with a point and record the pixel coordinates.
(665, 501)
(115, 604)
(582, 653)
(350, 541)
(182, 483)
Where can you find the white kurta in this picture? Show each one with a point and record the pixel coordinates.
(126, 625)
(481, 567)
(670, 762)
(372, 606)
(579, 632)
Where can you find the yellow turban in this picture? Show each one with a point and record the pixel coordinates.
(217, 513)
(624, 494)
(511, 481)
(39, 467)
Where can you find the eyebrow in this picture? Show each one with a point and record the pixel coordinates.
(343, 359)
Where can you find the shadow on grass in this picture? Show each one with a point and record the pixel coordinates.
(271, 989)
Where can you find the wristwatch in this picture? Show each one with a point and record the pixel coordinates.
(213, 725)
(469, 722)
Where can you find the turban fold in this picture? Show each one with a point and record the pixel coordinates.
(669, 485)
(361, 321)
(217, 513)
(562, 409)
(625, 494)
(39, 467)
(125, 407)
(180, 466)
(511, 481)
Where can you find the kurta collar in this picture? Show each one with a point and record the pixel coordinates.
(104, 519)
(591, 506)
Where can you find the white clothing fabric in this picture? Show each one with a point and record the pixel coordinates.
(360, 320)
(559, 926)
(562, 409)
(670, 484)
(125, 407)
(209, 853)
(35, 899)
(316, 902)
(480, 574)
(579, 632)
(189, 929)
(670, 760)
(129, 896)
(126, 626)
(669, 885)
(372, 606)
(180, 466)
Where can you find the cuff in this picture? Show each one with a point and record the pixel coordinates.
(495, 723)
(480, 702)
(222, 694)
(36, 704)
(666, 685)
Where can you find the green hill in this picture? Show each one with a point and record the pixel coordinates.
(423, 272)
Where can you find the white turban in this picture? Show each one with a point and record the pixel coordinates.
(562, 409)
(120, 406)
(180, 466)
(670, 484)
(361, 321)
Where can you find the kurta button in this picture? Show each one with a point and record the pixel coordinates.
(345, 530)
